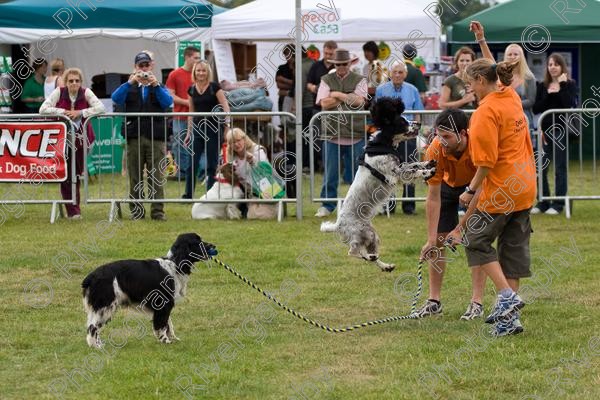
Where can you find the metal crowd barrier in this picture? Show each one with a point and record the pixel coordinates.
(572, 131)
(20, 193)
(316, 138)
(112, 188)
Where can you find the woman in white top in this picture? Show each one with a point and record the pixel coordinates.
(76, 103)
(244, 153)
(54, 79)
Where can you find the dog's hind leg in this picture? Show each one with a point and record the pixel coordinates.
(96, 319)
(357, 250)
(171, 330)
(373, 249)
(160, 322)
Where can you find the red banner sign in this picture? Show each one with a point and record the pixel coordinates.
(33, 151)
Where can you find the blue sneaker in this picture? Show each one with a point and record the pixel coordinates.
(504, 306)
(509, 325)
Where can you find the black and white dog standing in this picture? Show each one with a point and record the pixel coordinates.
(376, 179)
(153, 285)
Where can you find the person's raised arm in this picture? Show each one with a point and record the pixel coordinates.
(477, 29)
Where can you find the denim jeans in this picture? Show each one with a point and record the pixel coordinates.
(181, 153)
(557, 153)
(333, 155)
(203, 143)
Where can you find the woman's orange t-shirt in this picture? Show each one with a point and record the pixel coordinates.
(499, 139)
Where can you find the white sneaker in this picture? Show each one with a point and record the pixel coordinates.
(322, 212)
(551, 211)
(535, 210)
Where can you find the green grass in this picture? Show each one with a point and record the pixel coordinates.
(236, 344)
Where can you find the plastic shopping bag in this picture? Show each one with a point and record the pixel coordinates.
(265, 184)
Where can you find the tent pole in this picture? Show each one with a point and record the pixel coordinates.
(298, 98)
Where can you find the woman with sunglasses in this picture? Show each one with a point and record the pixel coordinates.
(78, 104)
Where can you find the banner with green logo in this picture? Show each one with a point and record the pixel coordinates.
(106, 154)
(182, 45)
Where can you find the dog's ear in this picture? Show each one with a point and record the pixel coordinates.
(189, 249)
(385, 110)
(399, 104)
(401, 124)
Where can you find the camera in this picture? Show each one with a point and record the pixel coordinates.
(144, 75)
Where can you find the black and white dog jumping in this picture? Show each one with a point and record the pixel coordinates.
(153, 285)
(378, 174)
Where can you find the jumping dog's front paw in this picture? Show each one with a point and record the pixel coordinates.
(429, 174)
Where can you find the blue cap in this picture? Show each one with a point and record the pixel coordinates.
(142, 57)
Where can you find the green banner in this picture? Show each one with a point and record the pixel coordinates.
(182, 45)
(106, 155)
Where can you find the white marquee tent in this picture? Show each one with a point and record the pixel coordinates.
(263, 20)
(270, 23)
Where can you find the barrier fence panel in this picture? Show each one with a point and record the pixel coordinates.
(567, 158)
(150, 158)
(34, 155)
(322, 133)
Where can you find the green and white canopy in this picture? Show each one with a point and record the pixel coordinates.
(106, 39)
(26, 21)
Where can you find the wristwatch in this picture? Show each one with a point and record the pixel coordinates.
(469, 190)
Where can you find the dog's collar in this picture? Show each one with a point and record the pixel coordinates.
(223, 180)
(375, 173)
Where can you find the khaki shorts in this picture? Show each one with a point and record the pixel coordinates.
(512, 231)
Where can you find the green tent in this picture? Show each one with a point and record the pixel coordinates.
(516, 21)
(19, 16)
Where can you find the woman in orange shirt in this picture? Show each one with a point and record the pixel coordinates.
(501, 193)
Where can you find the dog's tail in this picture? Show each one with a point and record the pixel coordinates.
(85, 285)
(329, 226)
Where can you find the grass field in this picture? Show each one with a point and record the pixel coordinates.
(238, 345)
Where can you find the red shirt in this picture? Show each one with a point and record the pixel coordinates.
(180, 81)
